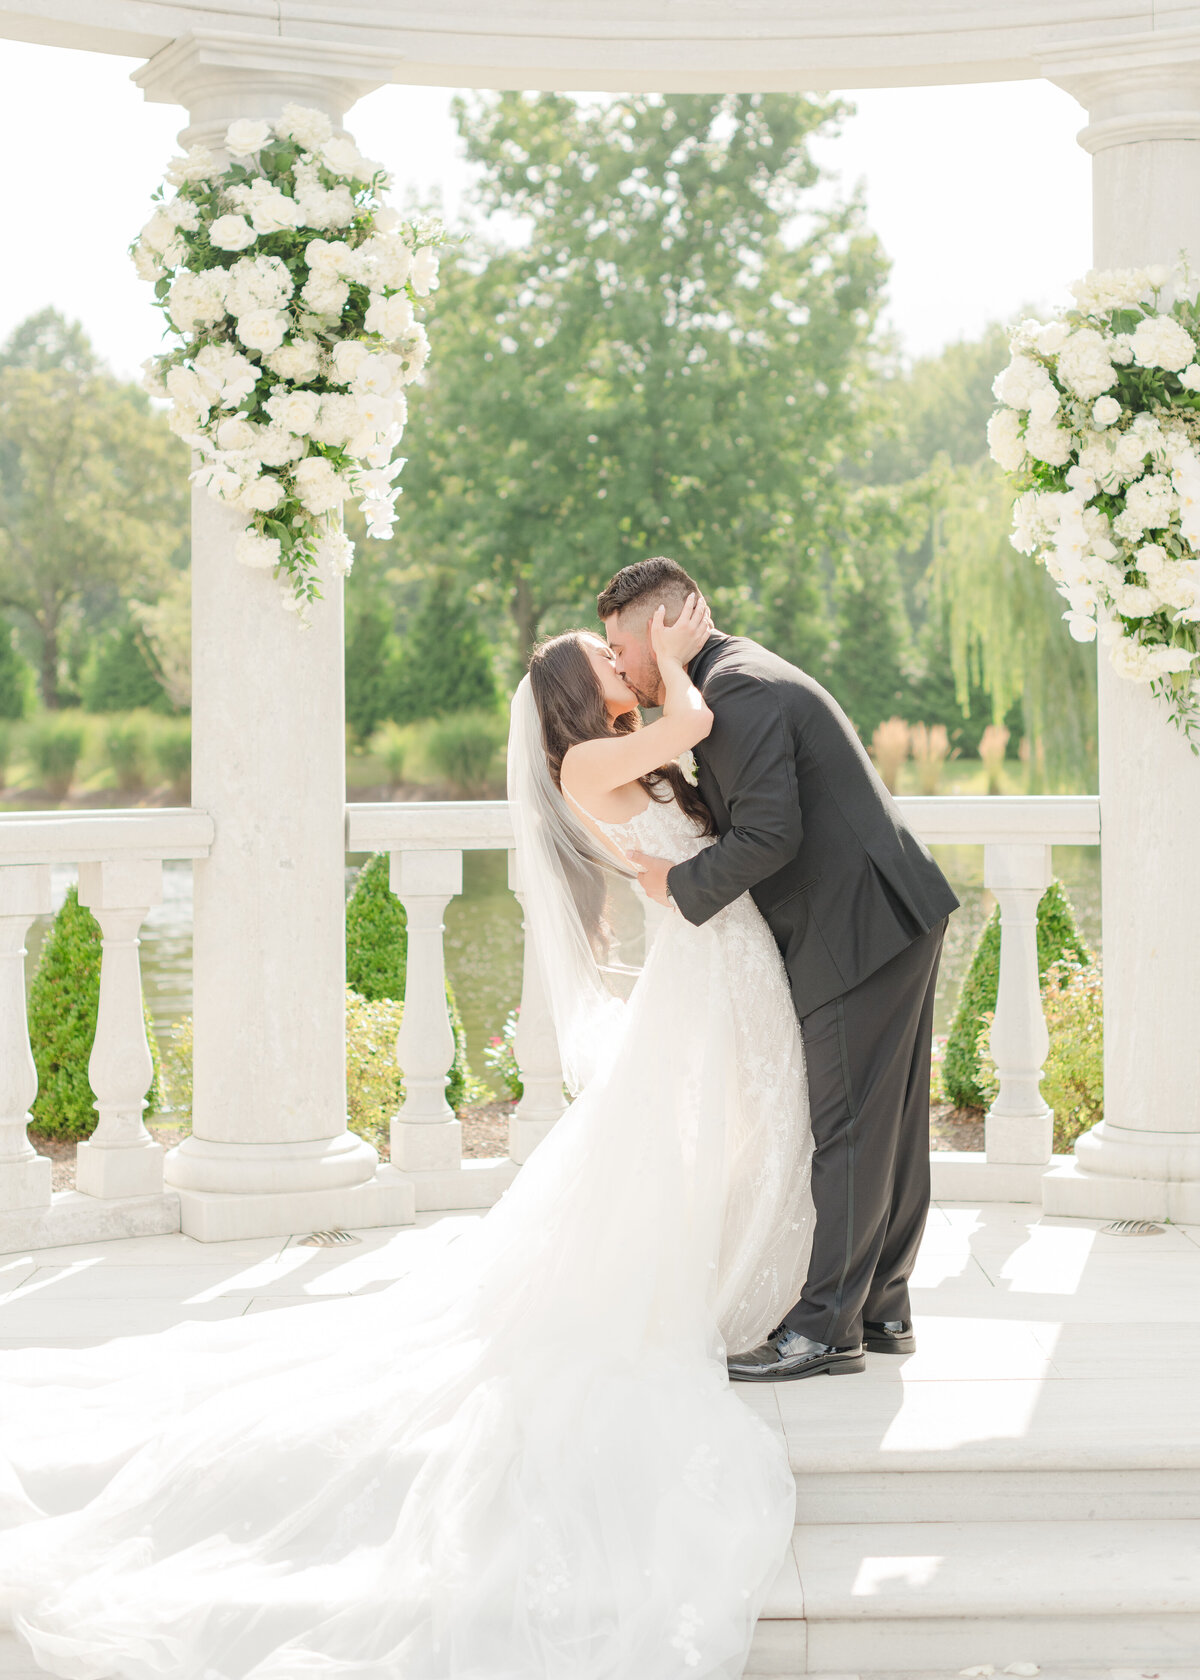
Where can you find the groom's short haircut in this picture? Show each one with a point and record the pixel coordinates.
(646, 584)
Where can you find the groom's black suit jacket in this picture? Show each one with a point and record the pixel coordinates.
(806, 827)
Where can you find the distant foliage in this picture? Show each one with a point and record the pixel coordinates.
(120, 678)
(1073, 1081)
(127, 747)
(445, 663)
(500, 1058)
(464, 750)
(55, 748)
(64, 1000)
(173, 754)
(370, 672)
(1057, 938)
(374, 1082)
(376, 951)
(16, 677)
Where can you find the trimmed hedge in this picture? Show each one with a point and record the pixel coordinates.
(1057, 937)
(64, 1000)
(376, 950)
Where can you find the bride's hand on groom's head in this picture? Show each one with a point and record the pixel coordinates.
(682, 640)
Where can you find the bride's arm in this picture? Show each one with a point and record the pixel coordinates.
(597, 767)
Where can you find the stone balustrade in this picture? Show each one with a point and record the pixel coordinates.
(120, 854)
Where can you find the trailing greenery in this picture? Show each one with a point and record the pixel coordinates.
(1057, 937)
(55, 747)
(1073, 1080)
(64, 1000)
(376, 951)
(464, 750)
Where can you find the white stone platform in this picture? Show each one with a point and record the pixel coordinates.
(1024, 1489)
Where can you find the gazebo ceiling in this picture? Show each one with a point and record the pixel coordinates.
(617, 45)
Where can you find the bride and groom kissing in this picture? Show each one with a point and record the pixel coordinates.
(525, 1460)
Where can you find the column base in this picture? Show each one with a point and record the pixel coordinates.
(109, 1171)
(218, 1167)
(960, 1175)
(213, 1216)
(1069, 1191)
(25, 1185)
(525, 1135)
(75, 1218)
(473, 1185)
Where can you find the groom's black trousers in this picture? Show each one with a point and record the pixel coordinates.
(867, 1053)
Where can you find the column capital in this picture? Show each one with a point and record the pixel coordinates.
(1133, 87)
(223, 74)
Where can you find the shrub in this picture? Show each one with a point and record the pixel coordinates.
(376, 951)
(374, 1082)
(463, 750)
(55, 747)
(6, 750)
(119, 676)
(889, 749)
(173, 754)
(1073, 1081)
(127, 746)
(16, 677)
(1057, 936)
(500, 1057)
(391, 743)
(64, 999)
(177, 1069)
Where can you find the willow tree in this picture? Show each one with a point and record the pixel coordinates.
(673, 359)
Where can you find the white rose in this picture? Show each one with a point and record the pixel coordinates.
(269, 210)
(389, 316)
(297, 410)
(1050, 339)
(185, 388)
(260, 553)
(245, 136)
(385, 219)
(308, 127)
(228, 374)
(1005, 442)
(343, 157)
(236, 433)
(329, 256)
(415, 353)
(262, 329)
(1105, 410)
(1190, 377)
(1160, 341)
(1120, 350)
(275, 446)
(146, 264)
(231, 233)
(384, 260)
(299, 361)
(424, 270)
(348, 356)
(318, 485)
(158, 232)
(262, 495)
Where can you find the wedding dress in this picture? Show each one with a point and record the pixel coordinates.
(523, 1461)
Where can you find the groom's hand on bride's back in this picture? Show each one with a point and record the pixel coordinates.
(653, 876)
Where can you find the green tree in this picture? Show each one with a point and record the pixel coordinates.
(659, 368)
(15, 676)
(445, 664)
(1057, 939)
(870, 654)
(64, 1000)
(370, 669)
(119, 676)
(93, 490)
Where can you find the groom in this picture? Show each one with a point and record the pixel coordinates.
(859, 909)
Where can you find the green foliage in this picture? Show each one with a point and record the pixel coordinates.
(6, 749)
(127, 747)
(172, 747)
(370, 670)
(55, 748)
(177, 1069)
(500, 1058)
(660, 368)
(374, 1082)
(376, 952)
(1073, 1080)
(119, 677)
(870, 655)
(391, 743)
(64, 999)
(464, 750)
(445, 664)
(16, 678)
(1057, 938)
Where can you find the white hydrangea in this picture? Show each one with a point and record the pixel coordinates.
(335, 553)
(198, 164)
(1005, 442)
(337, 422)
(1149, 504)
(1084, 363)
(306, 126)
(318, 486)
(1190, 377)
(297, 410)
(1116, 288)
(260, 553)
(1160, 341)
(1020, 382)
(299, 361)
(277, 447)
(1052, 444)
(226, 373)
(325, 293)
(389, 316)
(196, 299)
(424, 270)
(257, 283)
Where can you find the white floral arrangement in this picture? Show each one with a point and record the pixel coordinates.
(1099, 424)
(294, 292)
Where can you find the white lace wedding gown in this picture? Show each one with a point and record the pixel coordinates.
(523, 1461)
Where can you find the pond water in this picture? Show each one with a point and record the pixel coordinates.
(483, 935)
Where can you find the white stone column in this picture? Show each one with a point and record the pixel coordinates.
(24, 1174)
(1142, 96)
(270, 1151)
(120, 1158)
(1019, 1126)
(536, 1049)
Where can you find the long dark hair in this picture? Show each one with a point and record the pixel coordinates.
(571, 707)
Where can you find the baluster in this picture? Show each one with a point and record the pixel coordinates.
(24, 1174)
(1019, 1127)
(120, 1158)
(425, 1136)
(536, 1049)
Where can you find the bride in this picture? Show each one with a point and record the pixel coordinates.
(523, 1461)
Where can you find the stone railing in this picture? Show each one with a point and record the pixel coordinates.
(119, 855)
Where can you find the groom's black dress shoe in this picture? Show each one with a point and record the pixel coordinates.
(787, 1355)
(891, 1335)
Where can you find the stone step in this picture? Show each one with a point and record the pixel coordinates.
(875, 1598)
(997, 1496)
